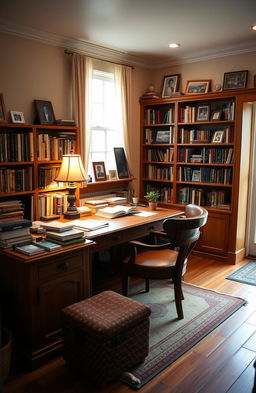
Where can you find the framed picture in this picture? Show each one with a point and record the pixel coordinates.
(170, 85)
(112, 173)
(44, 111)
(17, 117)
(99, 171)
(235, 80)
(216, 115)
(203, 113)
(3, 118)
(198, 87)
(218, 137)
(162, 136)
(121, 163)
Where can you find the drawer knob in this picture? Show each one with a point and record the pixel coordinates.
(64, 266)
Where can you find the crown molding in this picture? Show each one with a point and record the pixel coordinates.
(120, 56)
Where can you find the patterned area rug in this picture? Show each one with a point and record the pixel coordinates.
(246, 274)
(203, 309)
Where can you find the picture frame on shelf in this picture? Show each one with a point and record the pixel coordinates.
(99, 171)
(162, 136)
(112, 174)
(203, 113)
(121, 163)
(3, 118)
(17, 117)
(197, 86)
(170, 85)
(44, 111)
(218, 137)
(235, 80)
(216, 115)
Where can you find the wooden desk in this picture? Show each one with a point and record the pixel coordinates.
(35, 289)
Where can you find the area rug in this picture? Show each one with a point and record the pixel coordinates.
(204, 310)
(245, 274)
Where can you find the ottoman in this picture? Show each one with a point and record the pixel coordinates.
(105, 335)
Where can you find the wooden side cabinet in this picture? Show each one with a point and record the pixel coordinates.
(33, 293)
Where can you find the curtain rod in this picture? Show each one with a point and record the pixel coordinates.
(67, 52)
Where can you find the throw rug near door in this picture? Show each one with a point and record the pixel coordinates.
(245, 274)
(204, 310)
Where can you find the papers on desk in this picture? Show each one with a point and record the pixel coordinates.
(89, 225)
(145, 214)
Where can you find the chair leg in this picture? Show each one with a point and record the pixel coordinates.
(178, 299)
(147, 284)
(125, 285)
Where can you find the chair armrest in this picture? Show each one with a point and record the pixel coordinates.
(140, 245)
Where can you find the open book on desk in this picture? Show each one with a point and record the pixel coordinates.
(117, 211)
(90, 224)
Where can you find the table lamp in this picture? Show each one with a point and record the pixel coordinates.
(71, 171)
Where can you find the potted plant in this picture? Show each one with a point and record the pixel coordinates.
(152, 197)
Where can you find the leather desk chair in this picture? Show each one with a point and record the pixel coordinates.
(167, 260)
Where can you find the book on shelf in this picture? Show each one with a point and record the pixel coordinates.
(67, 235)
(57, 226)
(117, 211)
(13, 224)
(48, 246)
(90, 224)
(29, 249)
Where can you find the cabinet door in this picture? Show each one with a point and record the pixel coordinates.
(53, 297)
(214, 237)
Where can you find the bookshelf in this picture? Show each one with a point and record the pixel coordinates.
(191, 152)
(30, 156)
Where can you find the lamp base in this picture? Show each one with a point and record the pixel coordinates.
(71, 214)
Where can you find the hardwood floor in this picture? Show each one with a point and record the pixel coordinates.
(220, 363)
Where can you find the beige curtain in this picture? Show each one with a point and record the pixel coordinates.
(81, 85)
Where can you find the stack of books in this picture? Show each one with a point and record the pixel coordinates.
(117, 211)
(63, 233)
(116, 200)
(95, 204)
(14, 232)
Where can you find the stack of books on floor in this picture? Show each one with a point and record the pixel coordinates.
(63, 233)
(14, 229)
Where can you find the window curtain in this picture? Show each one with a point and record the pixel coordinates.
(81, 86)
(123, 76)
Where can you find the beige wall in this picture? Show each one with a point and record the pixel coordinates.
(211, 69)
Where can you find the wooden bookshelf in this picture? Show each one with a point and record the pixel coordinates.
(203, 169)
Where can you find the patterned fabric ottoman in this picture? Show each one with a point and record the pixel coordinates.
(105, 335)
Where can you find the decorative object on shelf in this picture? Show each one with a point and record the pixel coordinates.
(203, 113)
(150, 93)
(152, 197)
(198, 86)
(235, 80)
(216, 115)
(112, 173)
(218, 137)
(71, 171)
(121, 163)
(170, 85)
(2, 110)
(99, 171)
(44, 111)
(17, 117)
(217, 87)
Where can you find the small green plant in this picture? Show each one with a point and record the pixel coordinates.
(152, 196)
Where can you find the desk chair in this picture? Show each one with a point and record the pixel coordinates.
(167, 260)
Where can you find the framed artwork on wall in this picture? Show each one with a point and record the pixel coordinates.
(198, 86)
(170, 85)
(235, 80)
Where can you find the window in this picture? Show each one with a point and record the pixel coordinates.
(105, 126)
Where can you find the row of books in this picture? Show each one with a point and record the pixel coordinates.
(206, 155)
(205, 175)
(157, 116)
(159, 136)
(52, 203)
(16, 180)
(46, 176)
(189, 114)
(16, 147)
(52, 147)
(205, 136)
(166, 192)
(202, 197)
(159, 154)
(158, 172)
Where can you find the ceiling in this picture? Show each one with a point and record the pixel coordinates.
(137, 31)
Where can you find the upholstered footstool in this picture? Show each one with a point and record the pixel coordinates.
(105, 335)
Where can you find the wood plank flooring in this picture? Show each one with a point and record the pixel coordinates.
(221, 363)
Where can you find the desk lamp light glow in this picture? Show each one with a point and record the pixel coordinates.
(71, 171)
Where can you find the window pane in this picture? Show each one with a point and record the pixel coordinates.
(97, 115)
(97, 89)
(98, 140)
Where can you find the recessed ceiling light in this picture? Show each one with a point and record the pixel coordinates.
(254, 27)
(174, 45)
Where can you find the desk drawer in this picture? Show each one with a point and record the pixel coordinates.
(60, 265)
